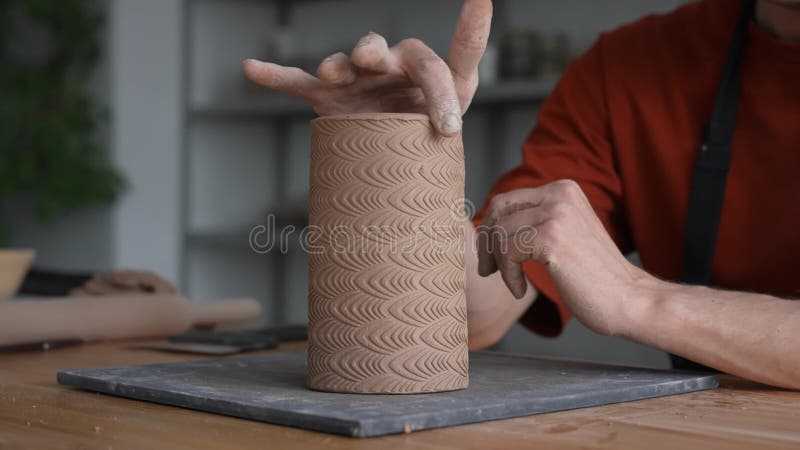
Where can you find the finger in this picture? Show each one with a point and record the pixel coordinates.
(372, 53)
(568, 190)
(483, 236)
(510, 269)
(431, 73)
(336, 69)
(564, 191)
(502, 205)
(470, 37)
(291, 80)
(513, 277)
(515, 243)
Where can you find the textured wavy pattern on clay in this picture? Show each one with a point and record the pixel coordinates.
(387, 307)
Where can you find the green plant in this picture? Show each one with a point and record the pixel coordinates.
(48, 118)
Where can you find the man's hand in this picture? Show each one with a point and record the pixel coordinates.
(407, 77)
(555, 225)
(750, 335)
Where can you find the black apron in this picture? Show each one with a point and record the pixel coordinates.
(711, 172)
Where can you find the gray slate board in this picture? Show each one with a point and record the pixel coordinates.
(271, 388)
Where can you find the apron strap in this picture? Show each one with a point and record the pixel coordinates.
(711, 172)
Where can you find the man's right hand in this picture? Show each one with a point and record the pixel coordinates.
(408, 77)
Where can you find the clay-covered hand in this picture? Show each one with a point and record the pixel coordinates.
(407, 77)
(555, 225)
(124, 282)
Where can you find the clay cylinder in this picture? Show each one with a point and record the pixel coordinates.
(387, 306)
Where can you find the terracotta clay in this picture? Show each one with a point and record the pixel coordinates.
(387, 306)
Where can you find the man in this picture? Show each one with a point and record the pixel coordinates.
(612, 165)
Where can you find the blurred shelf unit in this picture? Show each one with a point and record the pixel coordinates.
(277, 105)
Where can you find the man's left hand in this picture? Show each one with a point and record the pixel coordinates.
(556, 226)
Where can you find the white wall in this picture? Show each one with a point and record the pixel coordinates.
(146, 135)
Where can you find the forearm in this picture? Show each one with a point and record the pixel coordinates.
(491, 308)
(749, 335)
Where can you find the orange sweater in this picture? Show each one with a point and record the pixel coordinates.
(625, 122)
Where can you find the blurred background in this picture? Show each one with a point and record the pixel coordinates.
(131, 139)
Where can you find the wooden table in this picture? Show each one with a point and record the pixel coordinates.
(36, 412)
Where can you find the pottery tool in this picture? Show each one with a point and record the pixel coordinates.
(202, 349)
(212, 342)
(116, 317)
(280, 333)
(287, 333)
(241, 340)
(272, 388)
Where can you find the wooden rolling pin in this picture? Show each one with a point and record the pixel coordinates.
(115, 317)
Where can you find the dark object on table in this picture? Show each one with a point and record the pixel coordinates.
(211, 342)
(189, 347)
(287, 333)
(243, 340)
(271, 388)
(52, 283)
